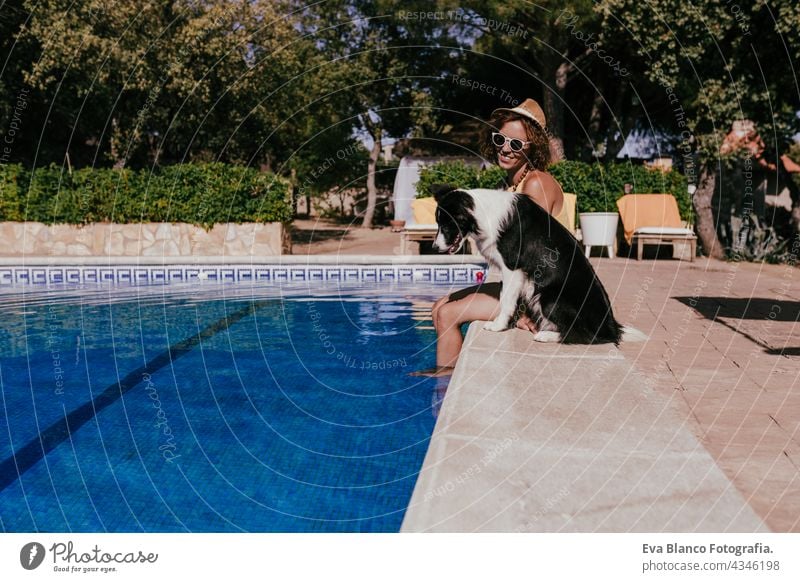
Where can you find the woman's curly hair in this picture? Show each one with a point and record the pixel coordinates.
(538, 154)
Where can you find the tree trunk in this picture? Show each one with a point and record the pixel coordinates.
(621, 111)
(556, 79)
(372, 189)
(119, 161)
(595, 123)
(292, 189)
(704, 213)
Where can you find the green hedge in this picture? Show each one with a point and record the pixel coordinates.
(458, 174)
(200, 194)
(9, 192)
(597, 186)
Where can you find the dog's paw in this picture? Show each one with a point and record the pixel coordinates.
(494, 326)
(547, 336)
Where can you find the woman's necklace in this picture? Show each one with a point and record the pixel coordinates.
(521, 178)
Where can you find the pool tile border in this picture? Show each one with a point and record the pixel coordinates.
(43, 275)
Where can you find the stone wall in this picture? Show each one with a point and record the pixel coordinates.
(146, 239)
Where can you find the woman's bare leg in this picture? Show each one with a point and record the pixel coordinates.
(435, 309)
(448, 317)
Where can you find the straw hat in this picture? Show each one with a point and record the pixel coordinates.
(528, 108)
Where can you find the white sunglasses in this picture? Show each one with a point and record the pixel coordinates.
(500, 140)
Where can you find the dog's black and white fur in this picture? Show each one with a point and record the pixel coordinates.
(541, 263)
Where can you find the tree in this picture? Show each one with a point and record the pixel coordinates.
(23, 111)
(715, 63)
(540, 48)
(385, 65)
(141, 82)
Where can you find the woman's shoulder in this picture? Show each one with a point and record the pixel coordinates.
(545, 190)
(541, 182)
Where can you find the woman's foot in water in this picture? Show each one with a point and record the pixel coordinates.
(435, 372)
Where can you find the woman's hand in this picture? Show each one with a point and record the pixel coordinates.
(526, 323)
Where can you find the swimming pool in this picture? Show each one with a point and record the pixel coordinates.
(214, 407)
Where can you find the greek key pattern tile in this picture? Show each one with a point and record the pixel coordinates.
(151, 274)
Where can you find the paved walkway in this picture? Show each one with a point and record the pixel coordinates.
(725, 347)
(694, 430)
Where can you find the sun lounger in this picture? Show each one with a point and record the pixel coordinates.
(417, 233)
(653, 219)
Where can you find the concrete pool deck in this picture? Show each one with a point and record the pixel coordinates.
(695, 429)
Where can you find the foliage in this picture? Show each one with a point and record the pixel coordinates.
(9, 197)
(754, 241)
(716, 62)
(599, 186)
(340, 164)
(525, 49)
(282, 85)
(458, 174)
(139, 82)
(201, 194)
(386, 69)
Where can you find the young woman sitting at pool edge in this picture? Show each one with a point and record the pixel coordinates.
(516, 141)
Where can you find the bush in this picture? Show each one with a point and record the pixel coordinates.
(10, 208)
(458, 174)
(200, 194)
(597, 186)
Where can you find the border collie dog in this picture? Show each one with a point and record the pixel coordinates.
(542, 264)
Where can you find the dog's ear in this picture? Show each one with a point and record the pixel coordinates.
(439, 190)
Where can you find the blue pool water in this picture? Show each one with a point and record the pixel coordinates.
(213, 408)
